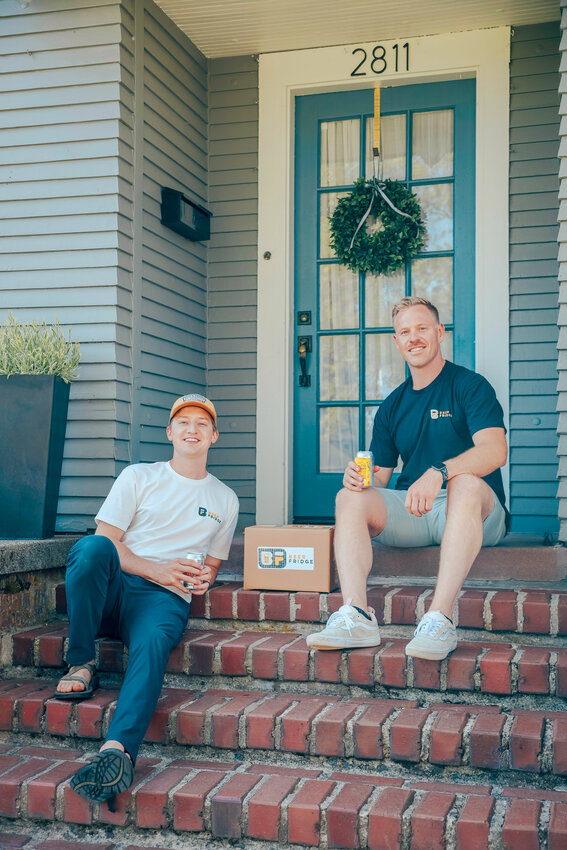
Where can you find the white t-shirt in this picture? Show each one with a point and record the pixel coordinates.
(165, 515)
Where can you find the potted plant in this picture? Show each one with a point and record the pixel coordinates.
(37, 363)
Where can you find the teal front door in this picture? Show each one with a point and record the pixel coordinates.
(346, 363)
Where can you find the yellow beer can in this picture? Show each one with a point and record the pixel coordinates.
(365, 462)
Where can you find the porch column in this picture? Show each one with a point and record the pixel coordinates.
(562, 319)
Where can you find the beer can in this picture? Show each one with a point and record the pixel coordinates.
(365, 462)
(199, 558)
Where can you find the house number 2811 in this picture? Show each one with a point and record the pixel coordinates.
(378, 61)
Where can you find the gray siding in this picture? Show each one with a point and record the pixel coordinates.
(171, 278)
(66, 170)
(562, 320)
(534, 187)
(101, 104)
(232, 291)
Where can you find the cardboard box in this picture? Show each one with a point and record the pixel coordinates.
(289, 557)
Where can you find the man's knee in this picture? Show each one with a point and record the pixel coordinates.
(469, 489)
(369, 505)
(90, 553)
(346, 500)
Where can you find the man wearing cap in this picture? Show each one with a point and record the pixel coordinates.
(131, 580)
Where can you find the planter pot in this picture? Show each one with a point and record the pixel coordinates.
(33, 418)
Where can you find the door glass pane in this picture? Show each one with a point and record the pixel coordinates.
(338, 368)
(328, 203)
(437, 204)
(340, 142)
(432, 278)
(385, 369)
(381, 293)
(369, 414)
(447, 346)
(432, 154)
(338, 437)
(392, 146)
(338, 297)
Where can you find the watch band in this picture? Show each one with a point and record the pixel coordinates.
(442, 469)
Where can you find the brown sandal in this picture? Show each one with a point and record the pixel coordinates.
(70, 676)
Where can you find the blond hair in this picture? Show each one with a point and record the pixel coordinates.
(413, 301)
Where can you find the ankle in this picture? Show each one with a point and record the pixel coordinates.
(115, 745)
(442, 611)
(362, 611)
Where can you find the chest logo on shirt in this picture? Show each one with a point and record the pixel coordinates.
(440, 414)
(205, 512)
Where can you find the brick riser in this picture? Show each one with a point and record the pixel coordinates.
(482, 737)
(483, 667)
(542, 612)
(306, 806)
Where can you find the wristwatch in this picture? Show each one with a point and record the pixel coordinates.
(442, 469)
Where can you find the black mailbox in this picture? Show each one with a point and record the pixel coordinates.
(185, 217)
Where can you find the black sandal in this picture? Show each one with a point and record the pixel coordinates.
(109, 773)
(70, 676)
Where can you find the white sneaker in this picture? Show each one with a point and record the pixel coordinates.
(434, 638)
(347, 628)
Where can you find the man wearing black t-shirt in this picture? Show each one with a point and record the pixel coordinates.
(446, 425)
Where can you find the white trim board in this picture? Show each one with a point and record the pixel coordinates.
(484, 54)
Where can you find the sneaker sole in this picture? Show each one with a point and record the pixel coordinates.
(429, 656)
(341, 644)
(104, 777)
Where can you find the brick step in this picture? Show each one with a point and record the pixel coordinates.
(428, 732)
(519, 557)
(255, 656)
(300, 805)
(50, 838)
(523, 611)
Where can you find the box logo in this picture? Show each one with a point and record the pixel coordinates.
(202, 512)
(286, 558)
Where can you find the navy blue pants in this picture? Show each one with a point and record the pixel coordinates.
(102, 599)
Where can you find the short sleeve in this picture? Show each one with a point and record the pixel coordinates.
(220, 544)
(481, 407)
(121, 504)
(382, 446)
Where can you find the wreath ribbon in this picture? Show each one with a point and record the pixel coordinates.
(377, 167)
(377, 188)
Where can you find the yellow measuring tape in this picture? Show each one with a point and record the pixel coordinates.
(376, 146)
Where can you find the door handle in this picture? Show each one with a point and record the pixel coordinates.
(304, 348)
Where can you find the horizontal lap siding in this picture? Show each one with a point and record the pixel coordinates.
(534, 187)
(66, 173)
(562, 322)
(232, 296)
(170, 357)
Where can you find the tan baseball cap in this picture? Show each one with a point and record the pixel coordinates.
(194, 400)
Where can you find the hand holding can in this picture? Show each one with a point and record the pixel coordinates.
(199, 559)
(365, 463)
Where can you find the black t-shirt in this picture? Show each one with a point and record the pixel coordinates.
(436, 423)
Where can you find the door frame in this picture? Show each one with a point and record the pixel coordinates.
(483, 54)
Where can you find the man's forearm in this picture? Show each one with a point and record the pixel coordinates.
(480, 460)
(132, 563)
(382, 477)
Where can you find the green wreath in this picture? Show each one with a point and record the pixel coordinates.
(388, 249)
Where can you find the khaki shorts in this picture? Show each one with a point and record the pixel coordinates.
(406, 530)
